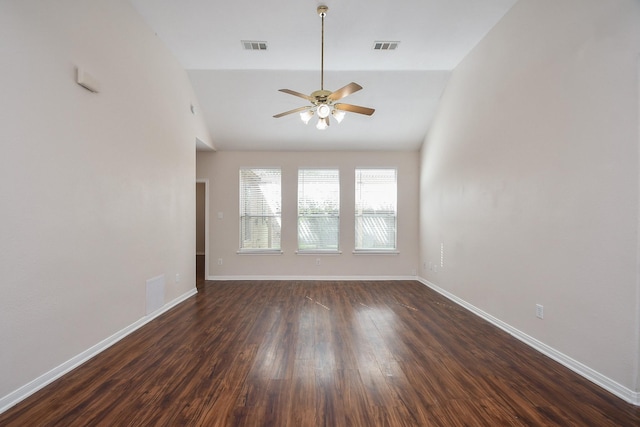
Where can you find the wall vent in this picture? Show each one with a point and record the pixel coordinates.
(155, 293)
(380, 45)
(253, 45)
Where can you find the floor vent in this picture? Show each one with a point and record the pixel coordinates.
(385, 45)
(253, 45)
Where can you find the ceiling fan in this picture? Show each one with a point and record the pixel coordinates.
(323, 102)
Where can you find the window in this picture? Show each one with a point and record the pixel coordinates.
(318, 209)
(376, 211)
(260, 213)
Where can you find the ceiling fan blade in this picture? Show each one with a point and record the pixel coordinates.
(345, 91)
(294, 93)
(354, 109)
(286, 113)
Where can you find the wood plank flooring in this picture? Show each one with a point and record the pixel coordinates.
(311, 353)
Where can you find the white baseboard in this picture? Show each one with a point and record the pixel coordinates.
(27, 390)
(327, 278)
(595, 377)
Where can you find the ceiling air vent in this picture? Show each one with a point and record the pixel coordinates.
(385, 45)
(253, 45)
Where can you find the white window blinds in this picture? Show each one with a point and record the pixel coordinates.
(376, 209)
(260, 211)
(318, 209)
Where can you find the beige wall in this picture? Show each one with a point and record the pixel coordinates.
(530, 180)
(221, 169)
(97, 189)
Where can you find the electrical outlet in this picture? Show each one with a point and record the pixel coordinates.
(219, 261)
(177, 277)
(539, 311)
(317, 261)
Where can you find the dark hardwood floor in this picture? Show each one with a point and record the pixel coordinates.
(307, 353)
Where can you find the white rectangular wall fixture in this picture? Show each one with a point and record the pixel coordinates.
(155, 293)
(86, 80)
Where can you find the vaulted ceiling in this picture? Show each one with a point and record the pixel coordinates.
(238, 89)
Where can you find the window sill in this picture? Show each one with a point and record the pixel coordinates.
(376, 252)
(260, 252)
(318, 252)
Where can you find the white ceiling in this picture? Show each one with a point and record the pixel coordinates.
(238, 89)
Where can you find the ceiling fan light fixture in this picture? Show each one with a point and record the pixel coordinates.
(323, 102)
(305, 116)
(323, 123)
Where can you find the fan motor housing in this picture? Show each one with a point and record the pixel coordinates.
(321, 96)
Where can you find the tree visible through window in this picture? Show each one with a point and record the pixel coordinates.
(260, 209)
(318, 209)
(376, 209)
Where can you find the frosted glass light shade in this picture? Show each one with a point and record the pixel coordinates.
(338, 115)
(323, 111)
(323, 123)
(305, 116)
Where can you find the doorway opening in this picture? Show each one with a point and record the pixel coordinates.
(201, 231)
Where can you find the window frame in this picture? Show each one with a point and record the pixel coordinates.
(242, 214)
(372, 250)
(311, 251)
